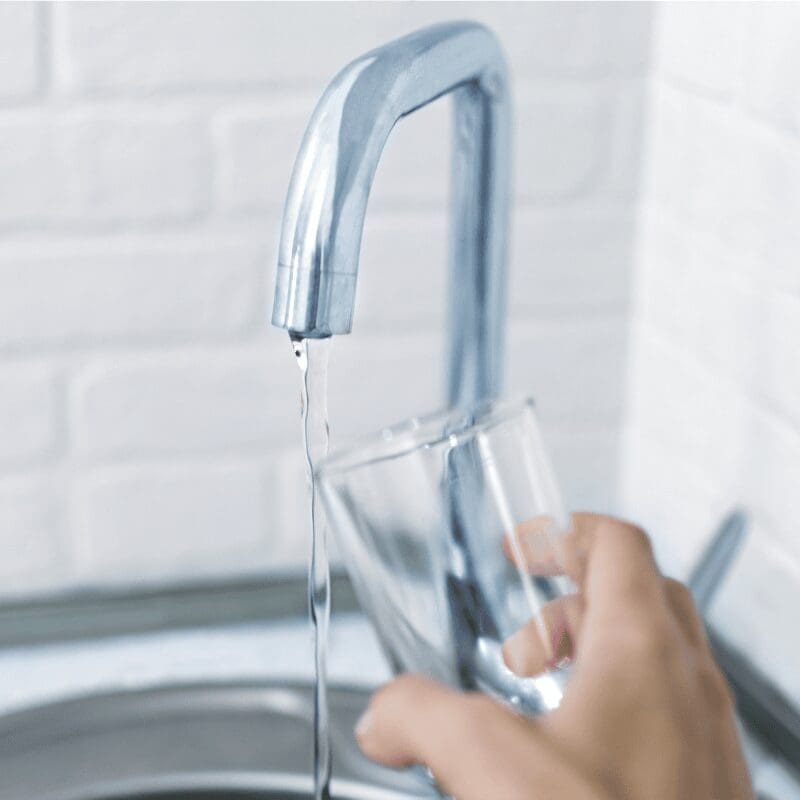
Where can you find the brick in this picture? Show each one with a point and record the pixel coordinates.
(692, 147)
(573, 367)
(36, 556)
(743, 327)
(568, 39)
(761, 219)
(19, 50)
(770, 82)
(145, 525)
(403, 273)
(379, 381)
(126, 290)
(257, 147)
(34, 173)
(291, 541)
(701, 44)
(563, 143)
(630, 124)
(585, 462)
(100, 48)
(751, 456)
(569, 259)
(98, 168)
(29, 415)
(251, 46)
(192, 403)
(671, 497)
(752, 208)
(558, 260)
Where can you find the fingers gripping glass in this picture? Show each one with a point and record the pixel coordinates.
(449, 527)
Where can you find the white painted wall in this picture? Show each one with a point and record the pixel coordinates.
(714, 414)
(148, 414)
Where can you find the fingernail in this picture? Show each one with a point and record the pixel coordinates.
(364, 725)
(515, 652)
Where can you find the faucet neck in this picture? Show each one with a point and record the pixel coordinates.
(326, 204)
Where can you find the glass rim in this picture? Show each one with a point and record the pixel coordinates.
(409, 436)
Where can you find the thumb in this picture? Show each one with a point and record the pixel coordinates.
(475, 747)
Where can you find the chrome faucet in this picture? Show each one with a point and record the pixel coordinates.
(327, 201)
(324, 216)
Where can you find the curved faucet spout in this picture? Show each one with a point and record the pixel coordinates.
(327, 200)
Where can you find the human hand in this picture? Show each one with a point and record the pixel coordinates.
(646, 713)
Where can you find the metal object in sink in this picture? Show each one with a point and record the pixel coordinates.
(715, 561)
(202, 742)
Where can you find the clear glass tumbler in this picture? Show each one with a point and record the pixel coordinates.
(448, 525)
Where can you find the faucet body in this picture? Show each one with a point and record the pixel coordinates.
(327, 200)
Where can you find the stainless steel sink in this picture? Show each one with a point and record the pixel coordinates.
(243, 741)
(200, 742)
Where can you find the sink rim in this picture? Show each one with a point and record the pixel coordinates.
(89, 707)
(246, 783)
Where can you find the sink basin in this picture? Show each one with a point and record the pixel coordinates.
(199, 742)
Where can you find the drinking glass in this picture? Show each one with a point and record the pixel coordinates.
(448, 525)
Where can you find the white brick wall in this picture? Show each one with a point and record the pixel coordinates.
(148, 413)
(92, 293)
(37, 552)
(175, 522)
(714, 405)
(90, 168)
(29, 409)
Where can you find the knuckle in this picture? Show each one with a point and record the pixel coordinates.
(686, 612)
(714, 687)
(678, 592)
(681, 600)
(631, 536)
(638, 536)
(642, 593)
